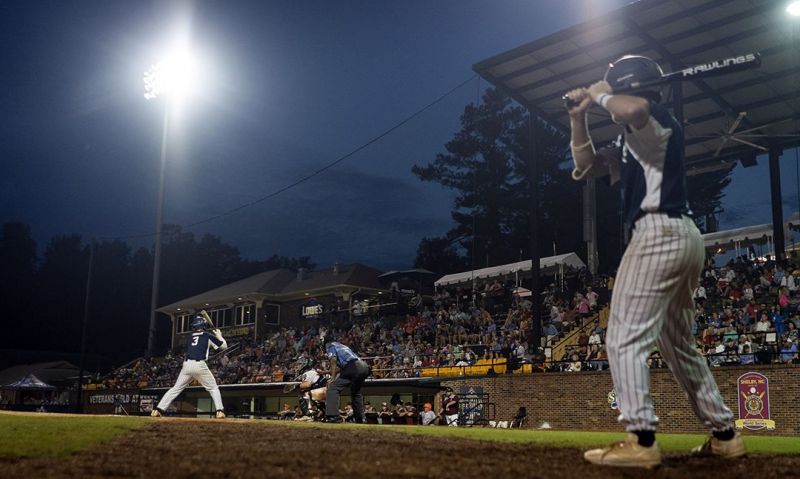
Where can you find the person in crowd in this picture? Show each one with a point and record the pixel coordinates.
(746, 356)
(370, 414)
(591, 298)
(427, 416)
(574, 364)
(450, 407)
(385, 414)
(287, 413)
(789, 352)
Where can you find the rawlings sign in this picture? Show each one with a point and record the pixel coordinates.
(753, 391)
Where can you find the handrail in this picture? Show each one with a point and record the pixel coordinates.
(558, 349)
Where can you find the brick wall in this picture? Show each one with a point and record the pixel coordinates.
(579, 400)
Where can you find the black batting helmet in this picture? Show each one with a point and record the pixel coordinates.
(198, 323)
(630, 69)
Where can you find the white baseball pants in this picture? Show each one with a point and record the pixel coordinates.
(652, 306)
(193, 370)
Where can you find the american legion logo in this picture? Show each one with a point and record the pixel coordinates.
(753, 395)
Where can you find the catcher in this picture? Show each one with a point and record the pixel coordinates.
(195, 366)
(313, 388)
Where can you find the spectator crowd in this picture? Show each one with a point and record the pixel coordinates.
(747, 312)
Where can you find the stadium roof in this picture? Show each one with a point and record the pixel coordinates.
(676, 33)
(545, 264)
(283, 284)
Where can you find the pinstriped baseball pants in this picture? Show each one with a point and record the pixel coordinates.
(652, 306)
(193, 370)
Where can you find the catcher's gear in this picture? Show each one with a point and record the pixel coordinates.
(632, 69)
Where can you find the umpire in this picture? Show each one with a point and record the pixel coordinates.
(352, 373)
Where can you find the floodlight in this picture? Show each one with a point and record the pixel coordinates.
(176, 75)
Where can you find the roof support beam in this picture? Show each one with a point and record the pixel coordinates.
(706, 46)
(621, 36)
(700, 84)
(532, 108)
(764, 54)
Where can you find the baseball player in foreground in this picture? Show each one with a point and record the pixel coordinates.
(652, 303)
(195, 366)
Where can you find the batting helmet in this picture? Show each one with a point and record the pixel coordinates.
(632, 69)
(198, 322)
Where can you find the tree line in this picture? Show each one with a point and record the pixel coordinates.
(487, 165)
(42, 300)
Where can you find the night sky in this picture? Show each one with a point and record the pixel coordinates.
(295, 85)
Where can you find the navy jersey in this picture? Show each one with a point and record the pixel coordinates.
(652, 171)
(200, 342)
(342, 353)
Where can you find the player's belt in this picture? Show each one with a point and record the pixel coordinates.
(670, 214)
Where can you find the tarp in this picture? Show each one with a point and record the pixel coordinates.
(546, 265)
(29, 382)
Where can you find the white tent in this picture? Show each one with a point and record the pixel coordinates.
(549, 265)
(738, 238)
(742, 238)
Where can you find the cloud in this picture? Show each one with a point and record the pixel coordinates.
(345, 214)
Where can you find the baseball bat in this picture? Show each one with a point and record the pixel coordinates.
(205, 316)
(702, 70)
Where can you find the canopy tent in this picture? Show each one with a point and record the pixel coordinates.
(741, 238)
(55, 372)
(30, 382)
(549, 265)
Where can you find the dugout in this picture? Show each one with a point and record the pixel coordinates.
(266, 399)
(728, 119)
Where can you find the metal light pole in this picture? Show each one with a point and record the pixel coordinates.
(158, 81)
(151, 336)
(176, 77)
(86, 305)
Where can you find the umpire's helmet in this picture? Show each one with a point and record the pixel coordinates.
(197, 323)
(635, 69)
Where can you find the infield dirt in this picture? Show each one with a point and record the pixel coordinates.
(194, 449)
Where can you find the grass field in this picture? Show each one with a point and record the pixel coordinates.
(45, 435)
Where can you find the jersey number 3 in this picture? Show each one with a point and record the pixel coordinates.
(195, 340)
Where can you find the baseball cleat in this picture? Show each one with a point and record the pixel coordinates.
(627, 453)
(220, 414)
(726, 449)
(155, 413)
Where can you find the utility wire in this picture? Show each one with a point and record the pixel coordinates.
(314, 173)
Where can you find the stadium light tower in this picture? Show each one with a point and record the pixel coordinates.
(174, 78)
